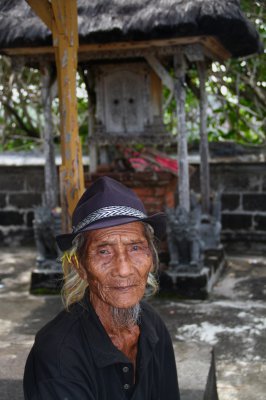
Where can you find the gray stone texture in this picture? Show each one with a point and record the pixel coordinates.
(230, 201)
(34, 180)
(25, 200)
(236, 221)
(254, 202)
(240, 176)
(8, 218)
(2, 200)
(11, 179)
(260, 221)
(21, 189)
(30, 218)
(243, 201)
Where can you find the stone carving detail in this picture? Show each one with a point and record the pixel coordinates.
(46, 225)
(183, 238)
(210, 226)
(189, 234)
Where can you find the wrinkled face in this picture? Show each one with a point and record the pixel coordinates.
(118, 263)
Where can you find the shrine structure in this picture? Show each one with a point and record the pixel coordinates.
(125, 52)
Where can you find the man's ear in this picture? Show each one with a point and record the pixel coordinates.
(79, 268)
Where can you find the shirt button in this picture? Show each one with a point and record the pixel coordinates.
(125, 369)
(126, 386)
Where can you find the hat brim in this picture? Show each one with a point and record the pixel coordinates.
(157, 221)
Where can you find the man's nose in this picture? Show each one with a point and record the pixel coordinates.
(123, 264)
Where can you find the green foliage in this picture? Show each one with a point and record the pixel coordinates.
(236, 94)
(82, 104)
(20, 110)
(240, 85)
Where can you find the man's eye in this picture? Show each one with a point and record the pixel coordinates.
(135, 247)
(103, 251)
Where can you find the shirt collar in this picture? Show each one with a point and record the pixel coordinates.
(103, 350)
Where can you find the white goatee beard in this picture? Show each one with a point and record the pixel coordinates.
(126, 317)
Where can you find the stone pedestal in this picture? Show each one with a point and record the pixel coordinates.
(47, 277)
(46, 282)
(193, 282)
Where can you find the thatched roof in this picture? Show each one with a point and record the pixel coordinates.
(103, 21)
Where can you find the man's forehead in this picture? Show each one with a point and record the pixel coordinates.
(134, 230)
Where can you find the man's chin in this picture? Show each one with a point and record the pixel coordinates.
(125, 297)
(126, 317)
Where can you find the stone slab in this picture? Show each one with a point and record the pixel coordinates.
(196, 371)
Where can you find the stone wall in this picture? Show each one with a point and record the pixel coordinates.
(243, 201)
(21, 188)
(243, 187)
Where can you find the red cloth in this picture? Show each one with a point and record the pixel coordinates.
(167, 162)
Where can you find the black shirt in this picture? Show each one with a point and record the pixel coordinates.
(73, 358)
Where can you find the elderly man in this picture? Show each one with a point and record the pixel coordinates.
(107, 344)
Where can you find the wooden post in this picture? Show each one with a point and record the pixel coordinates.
(93, 145)
(61, 17)
(89, 81)
(204, 147)
(50, 173)
(180, 95)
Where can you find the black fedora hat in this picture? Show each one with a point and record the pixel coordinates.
(107, 203)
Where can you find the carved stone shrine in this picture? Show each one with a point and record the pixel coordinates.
(195, 251)
(47, 276)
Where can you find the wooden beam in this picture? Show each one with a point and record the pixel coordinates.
(180, 95)
(209, 42)
(211, 45)
(43, 10)
(204, 145)
(161, 72)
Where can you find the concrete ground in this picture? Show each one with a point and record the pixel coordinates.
(232, 321)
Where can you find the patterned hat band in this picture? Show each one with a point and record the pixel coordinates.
(117, 205)
(107, 212)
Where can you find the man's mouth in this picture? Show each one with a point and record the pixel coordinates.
(123, 288)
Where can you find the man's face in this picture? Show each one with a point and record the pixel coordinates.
(118, 263)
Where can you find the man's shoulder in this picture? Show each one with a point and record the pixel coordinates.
(55, 332)
(58, 345)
